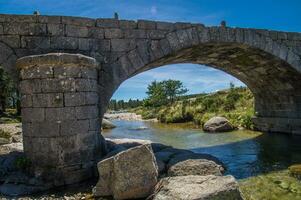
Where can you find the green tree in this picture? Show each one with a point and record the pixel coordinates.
(163, 92)
(231, 98)
(173, 89)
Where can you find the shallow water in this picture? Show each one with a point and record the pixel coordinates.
(258, 160)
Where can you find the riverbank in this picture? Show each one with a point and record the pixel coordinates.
(236, 104)
(129, 116)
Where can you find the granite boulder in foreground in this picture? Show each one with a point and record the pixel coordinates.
(135, 167)
(128, 175)
(198, 188)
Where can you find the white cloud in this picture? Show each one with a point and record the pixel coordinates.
(153, 10)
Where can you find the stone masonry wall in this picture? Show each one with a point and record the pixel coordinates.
(60, 119)
(267, 61)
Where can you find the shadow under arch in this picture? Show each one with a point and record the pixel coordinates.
(274, 83)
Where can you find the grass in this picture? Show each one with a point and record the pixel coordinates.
(10, 116)
(236, 104)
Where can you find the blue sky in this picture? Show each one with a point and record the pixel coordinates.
(268, 14)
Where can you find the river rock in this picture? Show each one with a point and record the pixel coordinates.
(190, 155)
(218, 124)
(106, 124)
(200, 167)
(197, 188)
(130, 174)
(135, 173)
(105, 172)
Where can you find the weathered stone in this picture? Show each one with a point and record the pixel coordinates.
(36, 73)
(55, 29)
(95, 32)
(106, 124)
(135, 33)
(200, 167)
(100, 45)
(76, 31)
(33, 114)
(16, 28)
(185, 155)
(145, 24)
(113, 33)
(218, 124)
(127, 24)
(107, 23)
(157, 34)
(60, 141)
(26, 100)
(105, 174)
(135, 173)
(276, 56)
(122, 44)
(58, 114)
(37, 29)
(81, 98)
(33, 42)
(165, 26)
(86, 112)
(48, 100)
(63, 43)
(198, 187)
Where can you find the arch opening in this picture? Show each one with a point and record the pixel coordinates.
(273, 82)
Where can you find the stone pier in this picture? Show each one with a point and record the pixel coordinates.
(60, 116)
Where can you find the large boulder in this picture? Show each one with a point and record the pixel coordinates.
(197, 188)
(106, 124)
(190, 155)
(128, 175)
(218, 124)
(105, 172)
(200, 167)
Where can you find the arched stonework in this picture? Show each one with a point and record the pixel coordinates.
(269, 62)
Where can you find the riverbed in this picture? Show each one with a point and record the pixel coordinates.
(258, 160)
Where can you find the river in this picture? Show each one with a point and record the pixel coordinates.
(258, 160)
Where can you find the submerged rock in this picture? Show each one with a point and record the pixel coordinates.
(130, 174)
(197, 187)
(106, 124)
(200, 167)
(218, 124)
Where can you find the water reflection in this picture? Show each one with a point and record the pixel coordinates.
(258, 160)
(245, 153)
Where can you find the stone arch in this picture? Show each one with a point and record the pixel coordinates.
(269, 68)
(7, 59)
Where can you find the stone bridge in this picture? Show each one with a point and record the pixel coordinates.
(268, 62)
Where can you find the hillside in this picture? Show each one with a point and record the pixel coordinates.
(236, 104)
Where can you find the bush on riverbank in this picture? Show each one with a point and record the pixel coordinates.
(236, 104)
